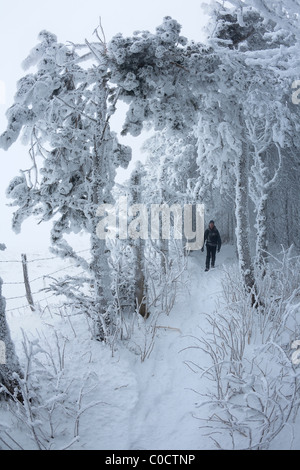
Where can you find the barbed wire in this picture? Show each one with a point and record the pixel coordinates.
(28, 306)
(12, 283)
(23, 296)
(38, 278)
(41, 259)
(45, 276)
(10, 261)
(55, 257)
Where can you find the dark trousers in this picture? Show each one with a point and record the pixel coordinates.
(210, 254)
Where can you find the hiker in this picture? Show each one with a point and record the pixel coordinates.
(212, 240)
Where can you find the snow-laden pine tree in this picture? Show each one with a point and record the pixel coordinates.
(150, 71)
(63, 111)
(224, 163)
(221, 88)
(172, 92)
(276, 119)
(283, 13)
(272, 132)
(248, 122)
(270, 119)
(164, 80)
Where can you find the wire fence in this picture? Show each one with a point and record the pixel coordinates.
(11, 284)
(26, 305)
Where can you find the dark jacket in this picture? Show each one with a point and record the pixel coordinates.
(212, 237)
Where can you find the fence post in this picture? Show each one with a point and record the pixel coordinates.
(26, 282)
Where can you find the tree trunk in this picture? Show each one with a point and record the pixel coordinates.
(138, 247)
(264, 186)
(261, 238)
(102, 291)
(101, 194)
(140, 282)
(9, 363)
(242, 221)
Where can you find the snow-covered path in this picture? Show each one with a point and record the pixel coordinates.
(144, 405)
(129, 404)
(163, 415)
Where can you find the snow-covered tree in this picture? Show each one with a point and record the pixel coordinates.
(208, 104)
(206, 80)
(284, 13)
(150, 70)
(64, 113)
(276, 122)
(248, 121)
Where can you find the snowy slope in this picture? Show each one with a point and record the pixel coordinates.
(147, 405)
(129, 404)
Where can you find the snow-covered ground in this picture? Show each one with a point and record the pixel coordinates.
(130, 404)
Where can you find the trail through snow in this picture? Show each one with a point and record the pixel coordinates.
(143, 405)
(163, 417)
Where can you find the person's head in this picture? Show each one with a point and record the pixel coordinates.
(211, 224)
